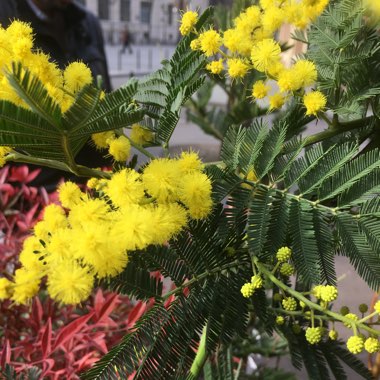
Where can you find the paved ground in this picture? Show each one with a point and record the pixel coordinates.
(353, 291)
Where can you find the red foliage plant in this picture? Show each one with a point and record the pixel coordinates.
(60, 340)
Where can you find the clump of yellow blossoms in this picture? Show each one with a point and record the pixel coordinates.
(250, 45)
(16, 45)
(86, 238)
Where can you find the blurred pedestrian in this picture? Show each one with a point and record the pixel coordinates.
(126, 41)
(67, 32)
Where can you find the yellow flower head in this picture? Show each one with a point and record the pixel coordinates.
(210, 42)
(55, 217)
(125, 188)
(195, 192)
(276, 101)
(314, 102)
(101, 140)
(134, 228)
(31, 254)
(19, 29)
(5, 288)
(100, 248)
(272, 19)
(189, 19)
(22, 48)
(4, 150)
(161, 178)
(76, 76)
(289, 80)
(265, 53)
(140, 135)
(306, 71)
(120, 148)
(260, 89)
(69, 194)
(169, 220)
(215, 67)
(25, 286)
(96, 210)
(195, 44)
(237, 68)
(189, 162)
(69, 283)
(232, 40)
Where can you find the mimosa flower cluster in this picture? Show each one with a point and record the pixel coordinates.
(16, 45)
(250, 45)
(313, 307)
(88, 238)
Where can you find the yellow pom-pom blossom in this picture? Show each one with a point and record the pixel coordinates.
(283, 254)
(188, 21)
(333, 334)
(69, 194)
(377, 307)
(289, 304)
(257, 281)
(195, 44)
(329, 293)
(247, 290)
(272, 19)
(55, 217)
(372, 345)
(313, 335)
(265, 53)
(355, 344)
(215, 67)
(232, 40)
(237, 68)
(306, 71)
(317, 291)
(70, 283)
(160, 179)
(314, 102)
(101, 140)
(260, 90)
(31, 254)
(289, 80)
(140, 135)
(5, 287)
(76, 76)
(287, 269)
(351, 316)
(4, 151)
(189, 162)
(120, 148)
(280, 320)
(168, 219)
(125, 188)
(195, 192)
(210, 42)
(276, 101)
(25, 285)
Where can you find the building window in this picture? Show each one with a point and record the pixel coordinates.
(146, 9)
(103, 10)
(170, 14)
(125, 9)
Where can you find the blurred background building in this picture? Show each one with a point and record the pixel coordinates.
(148, 21)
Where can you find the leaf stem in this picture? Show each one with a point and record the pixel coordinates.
(312, 305)
(200, 357)
(81, 170)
